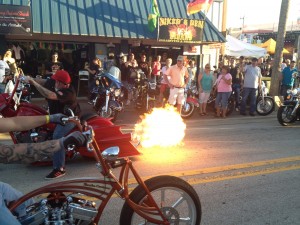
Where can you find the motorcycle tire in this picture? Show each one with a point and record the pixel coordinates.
(287, 119)
(113, 114)
(187, 110)
(267, 108)
(175, 190)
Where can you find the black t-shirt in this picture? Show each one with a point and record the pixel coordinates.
(235, 76)
(66, 99)
(145, 68)
(95, 67)
(54, 66)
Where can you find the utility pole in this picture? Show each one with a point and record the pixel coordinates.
(279, 48)
(243, 24)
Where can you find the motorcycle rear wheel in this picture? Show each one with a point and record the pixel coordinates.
(178, 201)
(266, 108)
(284, 116)
(187, 110)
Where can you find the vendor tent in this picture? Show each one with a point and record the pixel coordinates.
(270, 46)
(235, 47)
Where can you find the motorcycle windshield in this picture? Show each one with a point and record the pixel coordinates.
(111, 80)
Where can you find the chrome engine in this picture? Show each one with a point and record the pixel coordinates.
(68, 210)
(33, 136)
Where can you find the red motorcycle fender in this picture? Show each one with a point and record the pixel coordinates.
(193, 101)
(108, 135)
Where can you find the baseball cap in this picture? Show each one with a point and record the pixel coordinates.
(180, 57)
(62, 76)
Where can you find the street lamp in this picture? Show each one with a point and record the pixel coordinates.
(243, 18)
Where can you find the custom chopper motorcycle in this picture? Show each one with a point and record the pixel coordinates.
(106, 133)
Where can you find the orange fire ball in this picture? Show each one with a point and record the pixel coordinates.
(162, 127)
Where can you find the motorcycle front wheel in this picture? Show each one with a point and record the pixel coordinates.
(265, 107)
(111, 113)
(177, 200)
(284, 116)
(187, 110)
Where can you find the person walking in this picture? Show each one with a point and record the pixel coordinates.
(252, 81)
(178, 75)
(205, 84)
(224, 90)
(60, 96)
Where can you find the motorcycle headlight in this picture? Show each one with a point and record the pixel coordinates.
(138, 75)
(293, 92)
(152, 86)
(117, 92)
(112, 89)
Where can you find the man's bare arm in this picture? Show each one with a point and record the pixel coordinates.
(28, 152)
(44, 91)
(21, 123)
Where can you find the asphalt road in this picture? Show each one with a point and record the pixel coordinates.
(244, 169)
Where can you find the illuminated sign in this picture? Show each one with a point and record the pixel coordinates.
(180, 30)
(15, 19)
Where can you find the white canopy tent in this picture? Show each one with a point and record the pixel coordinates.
(237, 48)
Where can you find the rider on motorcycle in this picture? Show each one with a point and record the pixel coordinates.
(28, 153)
(60, 95)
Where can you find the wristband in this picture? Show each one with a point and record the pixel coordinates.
(47, 119)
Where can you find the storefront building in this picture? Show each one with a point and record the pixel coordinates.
(80, 30)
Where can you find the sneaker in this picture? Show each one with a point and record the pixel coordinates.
(237, 109)
(90, 102)
(252, 114)
(56, 173)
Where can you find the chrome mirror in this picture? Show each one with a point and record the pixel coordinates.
(111, 153)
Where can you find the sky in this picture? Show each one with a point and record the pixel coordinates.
(257, 12)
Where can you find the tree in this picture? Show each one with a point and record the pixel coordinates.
(285, 4)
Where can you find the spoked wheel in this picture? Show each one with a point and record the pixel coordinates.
(284, 115)
(265, 107)
(187, 110)
(177, 200)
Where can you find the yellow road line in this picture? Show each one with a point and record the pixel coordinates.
(227, 168)
(242, 175)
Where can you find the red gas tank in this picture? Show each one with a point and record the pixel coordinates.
(29, 109)
(108, 135)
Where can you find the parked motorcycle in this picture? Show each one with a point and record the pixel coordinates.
(231, 100)
(107, 134)
(289, 111)
(108, 102)
(191, 96)
(265, 104)
(158, 200)
(145, 92)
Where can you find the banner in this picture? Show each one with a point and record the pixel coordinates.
(180, 30)
(153, 16)
(15, 19)
(198, 5)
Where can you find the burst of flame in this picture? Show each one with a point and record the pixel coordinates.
(162, 127)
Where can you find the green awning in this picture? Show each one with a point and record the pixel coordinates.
(106, 18)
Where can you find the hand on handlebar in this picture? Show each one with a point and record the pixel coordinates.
(76, 138)
(58, 118)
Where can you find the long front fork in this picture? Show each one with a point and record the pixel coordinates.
(106, 100)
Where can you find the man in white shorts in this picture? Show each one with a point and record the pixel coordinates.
(177, 79)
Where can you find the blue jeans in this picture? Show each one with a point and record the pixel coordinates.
(222, 99)
(237, 91)
(9, 194)
(59, 157)
(249, 92)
